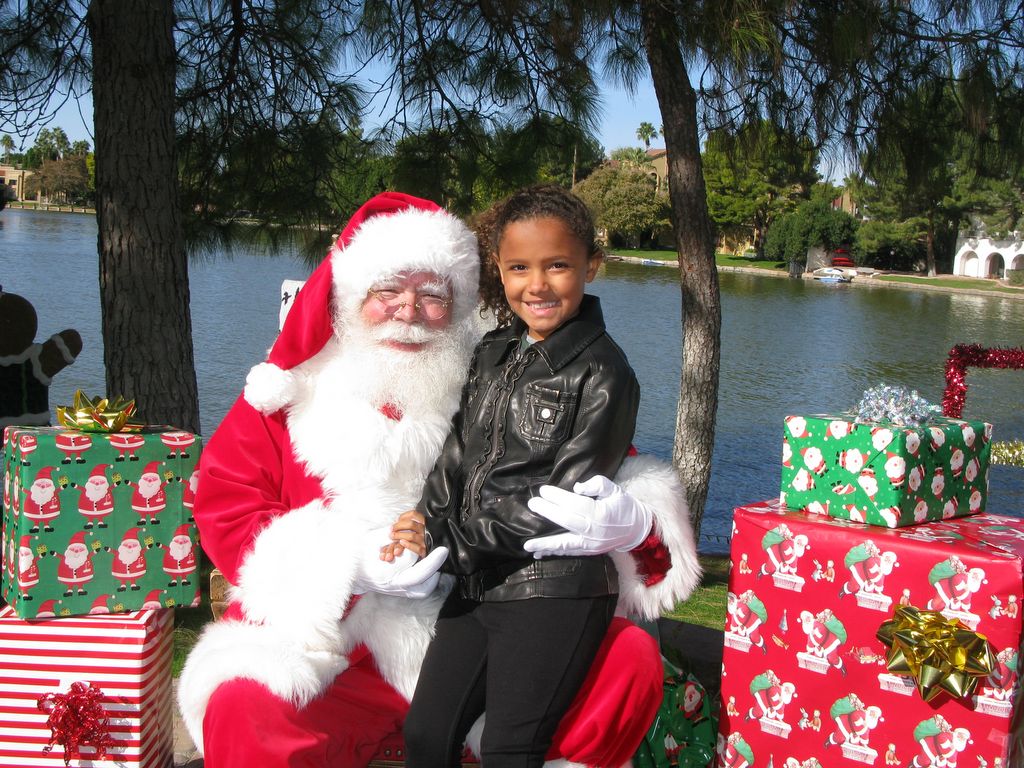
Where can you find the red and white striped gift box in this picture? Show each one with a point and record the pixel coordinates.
(125, 655)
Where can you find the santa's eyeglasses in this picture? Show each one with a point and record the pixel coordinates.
(430, 305)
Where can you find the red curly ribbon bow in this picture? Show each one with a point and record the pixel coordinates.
(77, 719)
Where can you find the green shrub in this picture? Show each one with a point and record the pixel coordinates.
(1015, 276)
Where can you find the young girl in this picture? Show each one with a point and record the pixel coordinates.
(551, 400)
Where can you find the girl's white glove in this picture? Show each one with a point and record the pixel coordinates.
(598, 516)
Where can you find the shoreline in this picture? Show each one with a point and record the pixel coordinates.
(861, 281)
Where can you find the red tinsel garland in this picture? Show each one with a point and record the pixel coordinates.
(964, 356)
(77, 719)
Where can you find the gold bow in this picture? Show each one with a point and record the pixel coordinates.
(99, 414)
(940, 654)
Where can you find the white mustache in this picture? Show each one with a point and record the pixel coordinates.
(403, 333)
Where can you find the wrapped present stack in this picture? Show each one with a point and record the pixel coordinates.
(98, 543)
(874, 609)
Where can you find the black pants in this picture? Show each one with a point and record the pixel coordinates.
(522, 661)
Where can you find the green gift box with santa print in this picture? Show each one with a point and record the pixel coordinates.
(97, 522)
(885, 474)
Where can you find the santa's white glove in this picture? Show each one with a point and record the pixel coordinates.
(598, 516)
(406, 576)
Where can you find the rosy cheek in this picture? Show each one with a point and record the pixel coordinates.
(373, 314)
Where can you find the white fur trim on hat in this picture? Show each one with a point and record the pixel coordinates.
(412, 240)
(656, 483)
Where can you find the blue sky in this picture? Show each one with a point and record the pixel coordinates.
(622, 113)
(620, 116)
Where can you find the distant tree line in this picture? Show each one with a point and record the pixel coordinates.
(62, 170)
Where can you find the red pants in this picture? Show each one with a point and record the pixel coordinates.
(246, 725)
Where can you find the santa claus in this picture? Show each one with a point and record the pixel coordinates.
(149, 499)
(130, 561)
(319, 651)
(28, 571)
(42, 501)
(75, 569)
(179, 557)
(188, 493)
(95, 500)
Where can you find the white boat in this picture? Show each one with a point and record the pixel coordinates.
(833, 275)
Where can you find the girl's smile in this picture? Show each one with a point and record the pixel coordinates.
(544, 267)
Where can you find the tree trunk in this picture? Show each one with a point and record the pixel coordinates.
(144, 293)
(698, 277)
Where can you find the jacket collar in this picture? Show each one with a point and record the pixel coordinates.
(569, 339)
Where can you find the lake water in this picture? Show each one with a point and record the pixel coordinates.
(788, 346)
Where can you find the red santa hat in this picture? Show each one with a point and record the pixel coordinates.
(152, 468)
(47, 608)
(26, 542)
(99, 605)
(182, 530)
(153, 599)
(46, 473)
(132, 534)
(78, 538)
(100, 470)
(391, 233)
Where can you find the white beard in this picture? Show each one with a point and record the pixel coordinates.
(96, 491)
(128, 554)
(41, 495)
(418, 382)
(179, 549)
(149, 487)
(75, 558)
(25, 560)
(339, 432)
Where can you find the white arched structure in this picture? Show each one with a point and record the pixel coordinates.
(986, 257)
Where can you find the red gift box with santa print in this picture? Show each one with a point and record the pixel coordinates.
(99, 522)
(127, 657)
(804, 677)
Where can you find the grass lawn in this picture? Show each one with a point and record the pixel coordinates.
(664, 254)
(959, 282)
(729, 260)
(706, 606)
(722, 259)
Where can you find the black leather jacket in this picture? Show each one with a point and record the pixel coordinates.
(557, 412)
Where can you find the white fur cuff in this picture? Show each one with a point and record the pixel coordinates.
(300, 575)
(229, 650)
(655, 483)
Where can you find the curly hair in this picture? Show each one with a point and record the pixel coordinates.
(541, 201)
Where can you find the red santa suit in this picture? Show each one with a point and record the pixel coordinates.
(74, 572)
(96, 501)
(42, 501)
(179, 557)
(28, 571)
(128, 573)
(149, 498)
(302, 670)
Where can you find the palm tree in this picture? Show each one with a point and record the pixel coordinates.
(8, 145)
(645, 133)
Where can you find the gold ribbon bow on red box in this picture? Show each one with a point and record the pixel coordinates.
(940, 654)
(99, 414)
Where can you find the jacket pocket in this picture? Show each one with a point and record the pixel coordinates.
(548, 415)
